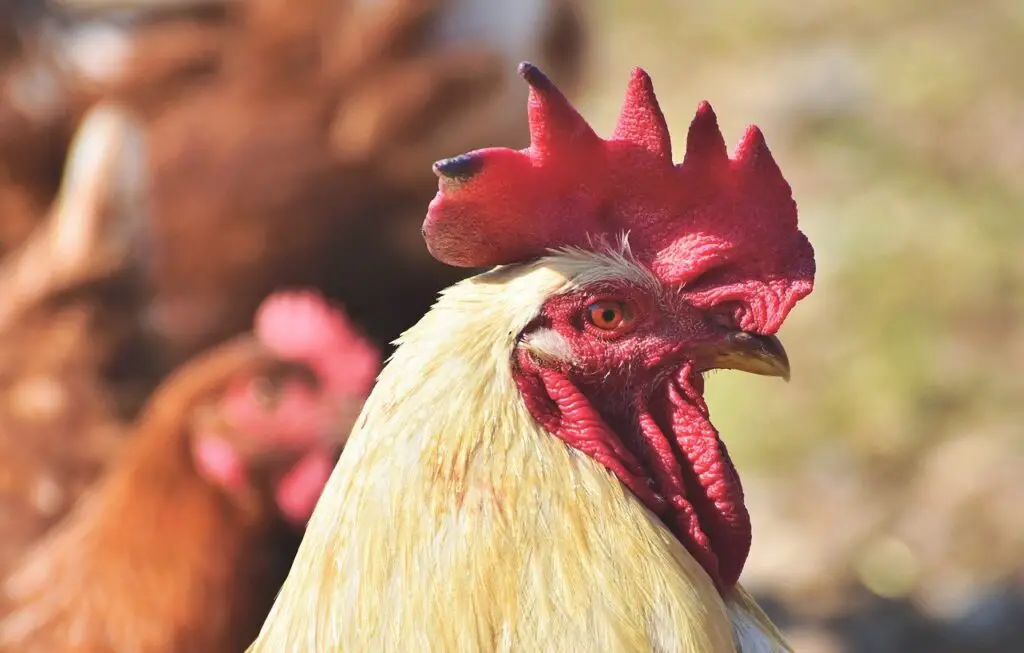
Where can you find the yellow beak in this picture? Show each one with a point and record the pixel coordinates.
(747, 352)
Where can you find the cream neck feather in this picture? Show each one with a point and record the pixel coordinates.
(454, 523)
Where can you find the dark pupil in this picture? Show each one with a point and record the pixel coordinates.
(608, 315)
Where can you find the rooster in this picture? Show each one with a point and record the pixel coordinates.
(179, 548)
(536, 468)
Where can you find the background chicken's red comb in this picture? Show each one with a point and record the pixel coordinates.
(731, 222)
(301, 325)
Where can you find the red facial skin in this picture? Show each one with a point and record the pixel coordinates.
(296, 419)
(292, 424)
(287, 426)
(632, 400)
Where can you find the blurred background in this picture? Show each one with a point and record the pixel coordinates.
(886, 481)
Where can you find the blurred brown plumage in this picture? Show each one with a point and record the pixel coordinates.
(182, 546)
(71, 364)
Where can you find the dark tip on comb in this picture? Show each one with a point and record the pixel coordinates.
(535, 77)
(459, 168)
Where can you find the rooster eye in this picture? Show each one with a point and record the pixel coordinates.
(607, 315)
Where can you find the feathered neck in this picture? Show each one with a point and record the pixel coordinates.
(453, 522)
(454, 363)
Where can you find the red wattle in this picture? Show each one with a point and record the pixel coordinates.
(712, 485)
(678, 466)
(559, 406)
(218, 462)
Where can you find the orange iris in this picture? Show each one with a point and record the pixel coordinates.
(606, 315)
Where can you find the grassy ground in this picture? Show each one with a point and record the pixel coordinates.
(889, 469)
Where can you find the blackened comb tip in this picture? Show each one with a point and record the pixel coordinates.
(461, 167)
(534, 76)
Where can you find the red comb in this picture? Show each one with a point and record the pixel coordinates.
(728, 224)
(301, 325)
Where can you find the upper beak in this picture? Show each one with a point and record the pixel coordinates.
(747, 352)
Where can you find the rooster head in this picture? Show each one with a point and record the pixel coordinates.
(288, 420)
(674, 270)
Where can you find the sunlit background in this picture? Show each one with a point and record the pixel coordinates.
(886, 480)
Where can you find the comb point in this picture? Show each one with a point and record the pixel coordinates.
(535, 77)
(752, 147)
(639, 81)
(753, 155)
(459, 168)
(758, 166)
(705, 145)
(706, 112)
(641, 120)
(555, 125)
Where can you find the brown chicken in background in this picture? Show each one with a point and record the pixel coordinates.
(289, 140)
(183, 545)
(72, 363)
(34, 128)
